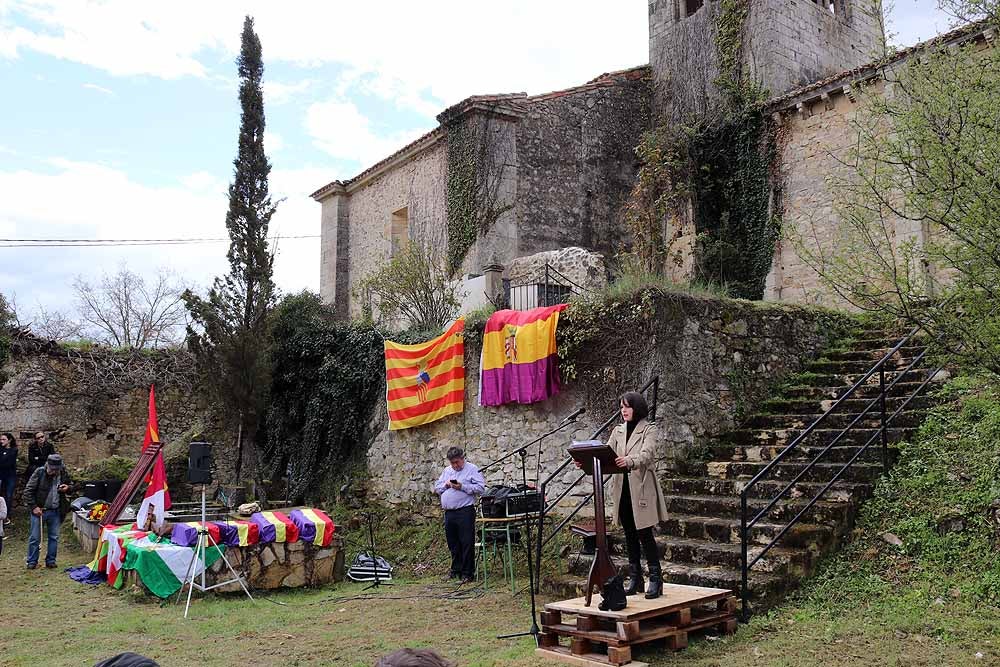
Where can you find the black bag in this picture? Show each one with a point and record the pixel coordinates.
(494, 501)
(613, 594)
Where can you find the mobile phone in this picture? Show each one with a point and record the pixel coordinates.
(454, 481)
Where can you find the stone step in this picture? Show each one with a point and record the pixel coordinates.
(836, 454)
(841, 492)
(872, 354)
(749, 437)
(838, 378)
(900, 389)
(854, 368)
(852, 405)
(720, 529)
(821, 472)
(728, 507)
(836, 420)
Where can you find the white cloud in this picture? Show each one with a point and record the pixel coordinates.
(203, 181)
(98, 202)
(273, 142)
(277, 92)
(339, 128)
(418, 56)
(100, 89)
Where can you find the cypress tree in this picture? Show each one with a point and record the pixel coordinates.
(229, 334)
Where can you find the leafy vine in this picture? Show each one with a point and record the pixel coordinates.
(713, 173)
(477, 159)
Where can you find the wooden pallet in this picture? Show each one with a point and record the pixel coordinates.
(680, 610)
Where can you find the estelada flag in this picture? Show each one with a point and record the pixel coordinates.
(157, 496)
(426, 381)
(519, 363)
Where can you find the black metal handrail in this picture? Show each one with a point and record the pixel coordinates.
(654, 385)
(881, 434)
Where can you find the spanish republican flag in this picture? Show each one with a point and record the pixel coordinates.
(157, 498)
(425, 382)
(519, 363)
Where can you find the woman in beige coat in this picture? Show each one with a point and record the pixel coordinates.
(638, 499)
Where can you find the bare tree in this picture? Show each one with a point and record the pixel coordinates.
(124, 311)
(56, 325)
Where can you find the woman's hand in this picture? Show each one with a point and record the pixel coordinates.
(621, 462)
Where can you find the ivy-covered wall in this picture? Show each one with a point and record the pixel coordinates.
(716, 359)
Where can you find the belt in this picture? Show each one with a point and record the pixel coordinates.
(459, 509)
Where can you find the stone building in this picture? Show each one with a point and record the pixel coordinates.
(561, 164)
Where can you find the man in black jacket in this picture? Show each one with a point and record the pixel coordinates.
(42, 494)
(38, 452)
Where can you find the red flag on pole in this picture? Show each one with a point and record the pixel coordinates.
(157, 496)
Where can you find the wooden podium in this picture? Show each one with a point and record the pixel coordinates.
(597, 459)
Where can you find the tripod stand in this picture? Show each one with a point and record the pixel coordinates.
(371, 552)
(204, 537)
(522, 451)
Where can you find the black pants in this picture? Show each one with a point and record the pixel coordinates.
(634, 537)
(460, 531)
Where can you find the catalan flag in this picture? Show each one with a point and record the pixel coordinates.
(519, 363)
(425, 382)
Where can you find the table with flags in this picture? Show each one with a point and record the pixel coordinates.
(162, 562)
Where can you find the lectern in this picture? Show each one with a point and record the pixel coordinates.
(596, 458)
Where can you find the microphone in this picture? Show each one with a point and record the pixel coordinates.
(573, 415)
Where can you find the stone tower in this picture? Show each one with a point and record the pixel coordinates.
(787, 44)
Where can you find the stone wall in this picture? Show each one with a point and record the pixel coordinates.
(577, 164)
(582, 267)
(356, 228)
(796, 42)
(788, 43)
(94, 404)
(715, 359)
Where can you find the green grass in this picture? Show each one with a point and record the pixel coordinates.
(933, 601)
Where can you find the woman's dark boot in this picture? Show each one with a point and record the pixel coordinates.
(634, 579)
(655, 588)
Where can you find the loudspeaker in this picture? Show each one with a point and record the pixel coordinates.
(200, 463)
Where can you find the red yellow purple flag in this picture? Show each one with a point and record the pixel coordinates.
(426, 381)
(519, 363)
(157, 498)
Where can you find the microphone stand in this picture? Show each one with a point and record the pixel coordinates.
(522, 451)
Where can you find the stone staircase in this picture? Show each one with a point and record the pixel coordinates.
(700, 542)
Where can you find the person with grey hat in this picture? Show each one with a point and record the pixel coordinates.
(42, 494)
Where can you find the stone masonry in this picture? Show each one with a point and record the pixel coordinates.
(568, 165)
(716, 359)
(88, 420)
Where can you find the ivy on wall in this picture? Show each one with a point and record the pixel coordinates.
(713, 171)
(326, 380)
(477, 159)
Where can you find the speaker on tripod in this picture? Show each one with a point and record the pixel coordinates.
(200, 463)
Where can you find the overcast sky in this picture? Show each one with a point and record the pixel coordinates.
(120, 118)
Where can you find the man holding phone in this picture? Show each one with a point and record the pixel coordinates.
(459, 485)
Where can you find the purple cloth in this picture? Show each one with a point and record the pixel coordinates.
(472, 485)
(520, 383)
(229, 534)
(184, 535)
(85, 575)
(267, 529)
(307, 529)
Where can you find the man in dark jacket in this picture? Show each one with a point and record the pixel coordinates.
(42, 494)
(38, 452)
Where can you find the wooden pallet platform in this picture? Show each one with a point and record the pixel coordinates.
(680, 610)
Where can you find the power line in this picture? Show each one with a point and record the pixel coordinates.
(111, 243)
